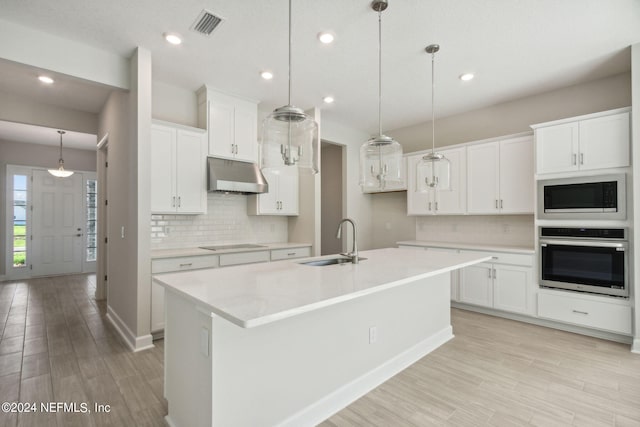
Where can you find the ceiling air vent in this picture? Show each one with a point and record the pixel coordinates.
(206, 22)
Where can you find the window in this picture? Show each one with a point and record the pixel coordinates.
(19, 244)
(92, 217)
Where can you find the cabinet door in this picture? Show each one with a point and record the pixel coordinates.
(417, 203)
(476, 285)
(516, 176)
(604, 142)
(454, 200)
(511, 290)
(267, 203)
(245, 134)
(557, 148)
(288, 194)
(163, 171)
(483, 178)
(221, 130)
(190, 172)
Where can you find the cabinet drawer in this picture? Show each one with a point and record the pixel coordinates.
(183, 263)
(244, 258)
(279, 254)
(579, 310)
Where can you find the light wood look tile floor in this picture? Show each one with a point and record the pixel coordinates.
(57, 346)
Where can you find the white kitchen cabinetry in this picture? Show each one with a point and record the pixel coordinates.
(451, 201)
(595, 141)
(592, 311)
(178, 178)
(500, 177)
(166, 265)
(282, 198)
(232, 125)
(501, 284)
(290, 253)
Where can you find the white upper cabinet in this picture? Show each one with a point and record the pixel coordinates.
(596, 141)
(232, 125)
(500, 177)
(450, 201)
(282, 197)
(178, 177)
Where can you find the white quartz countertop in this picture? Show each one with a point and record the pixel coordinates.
(470, 246)
(181, 252)
(257, 294)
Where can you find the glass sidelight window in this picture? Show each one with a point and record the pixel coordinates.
(19, 244)
(92, 219)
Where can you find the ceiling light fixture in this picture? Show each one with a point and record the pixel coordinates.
(60, 172)
(434, 169)
(381, 156)
(45, 79)
(328, 99)
(466, 77)
(267, 75)
(173, 38)
(326, 37)
(289, 136)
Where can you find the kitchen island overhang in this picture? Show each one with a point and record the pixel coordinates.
(285, 343)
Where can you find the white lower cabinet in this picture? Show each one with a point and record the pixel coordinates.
(604, 313)
(502, 284)
(169, 265)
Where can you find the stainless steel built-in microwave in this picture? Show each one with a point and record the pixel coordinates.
(588, 197)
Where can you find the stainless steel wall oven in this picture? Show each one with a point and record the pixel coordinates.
(585, 259)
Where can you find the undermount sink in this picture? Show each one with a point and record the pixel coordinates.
(329, 261)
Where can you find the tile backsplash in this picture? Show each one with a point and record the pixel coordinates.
(509, 230)
(226, 222)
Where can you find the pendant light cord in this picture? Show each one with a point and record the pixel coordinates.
(433, 112)
(380, 72)
(289, 53)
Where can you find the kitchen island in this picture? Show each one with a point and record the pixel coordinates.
(289, 344)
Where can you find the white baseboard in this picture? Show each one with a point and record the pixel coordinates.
(132, 341)
(347, 394)
(635, 346)
(168, 421)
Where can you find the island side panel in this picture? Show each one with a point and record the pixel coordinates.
(300, 370)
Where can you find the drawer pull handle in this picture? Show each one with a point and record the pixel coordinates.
(291, 254)
(580, 312)
(186, 264)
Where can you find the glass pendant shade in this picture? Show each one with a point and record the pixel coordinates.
(60, 172)
(380, 164)
(433, 172)
(290, 138)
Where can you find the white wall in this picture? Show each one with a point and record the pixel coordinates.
(635, 161)
(36, 155)
(174, 104)
(390, 221)
(516, 116)
(46, 51)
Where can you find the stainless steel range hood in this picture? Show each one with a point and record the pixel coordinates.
(233, 176)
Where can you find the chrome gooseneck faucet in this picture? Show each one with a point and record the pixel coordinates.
(354, 252)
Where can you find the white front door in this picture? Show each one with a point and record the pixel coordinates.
(58, 224)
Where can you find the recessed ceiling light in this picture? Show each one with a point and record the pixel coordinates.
(45, 79)
(267, 75)
(326, 37)
(466, 77)
(328, 99)
(172, 38)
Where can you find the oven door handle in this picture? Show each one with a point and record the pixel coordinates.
(594, 243)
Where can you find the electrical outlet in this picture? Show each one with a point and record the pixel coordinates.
(373, 335)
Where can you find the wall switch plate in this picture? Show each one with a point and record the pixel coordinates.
(373, 335)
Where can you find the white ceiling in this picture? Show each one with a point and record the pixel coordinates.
(515, 47)
(20, 132)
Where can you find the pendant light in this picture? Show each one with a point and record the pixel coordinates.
(289, 136)
(381, 156)
(433, 171)
(60, 172)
